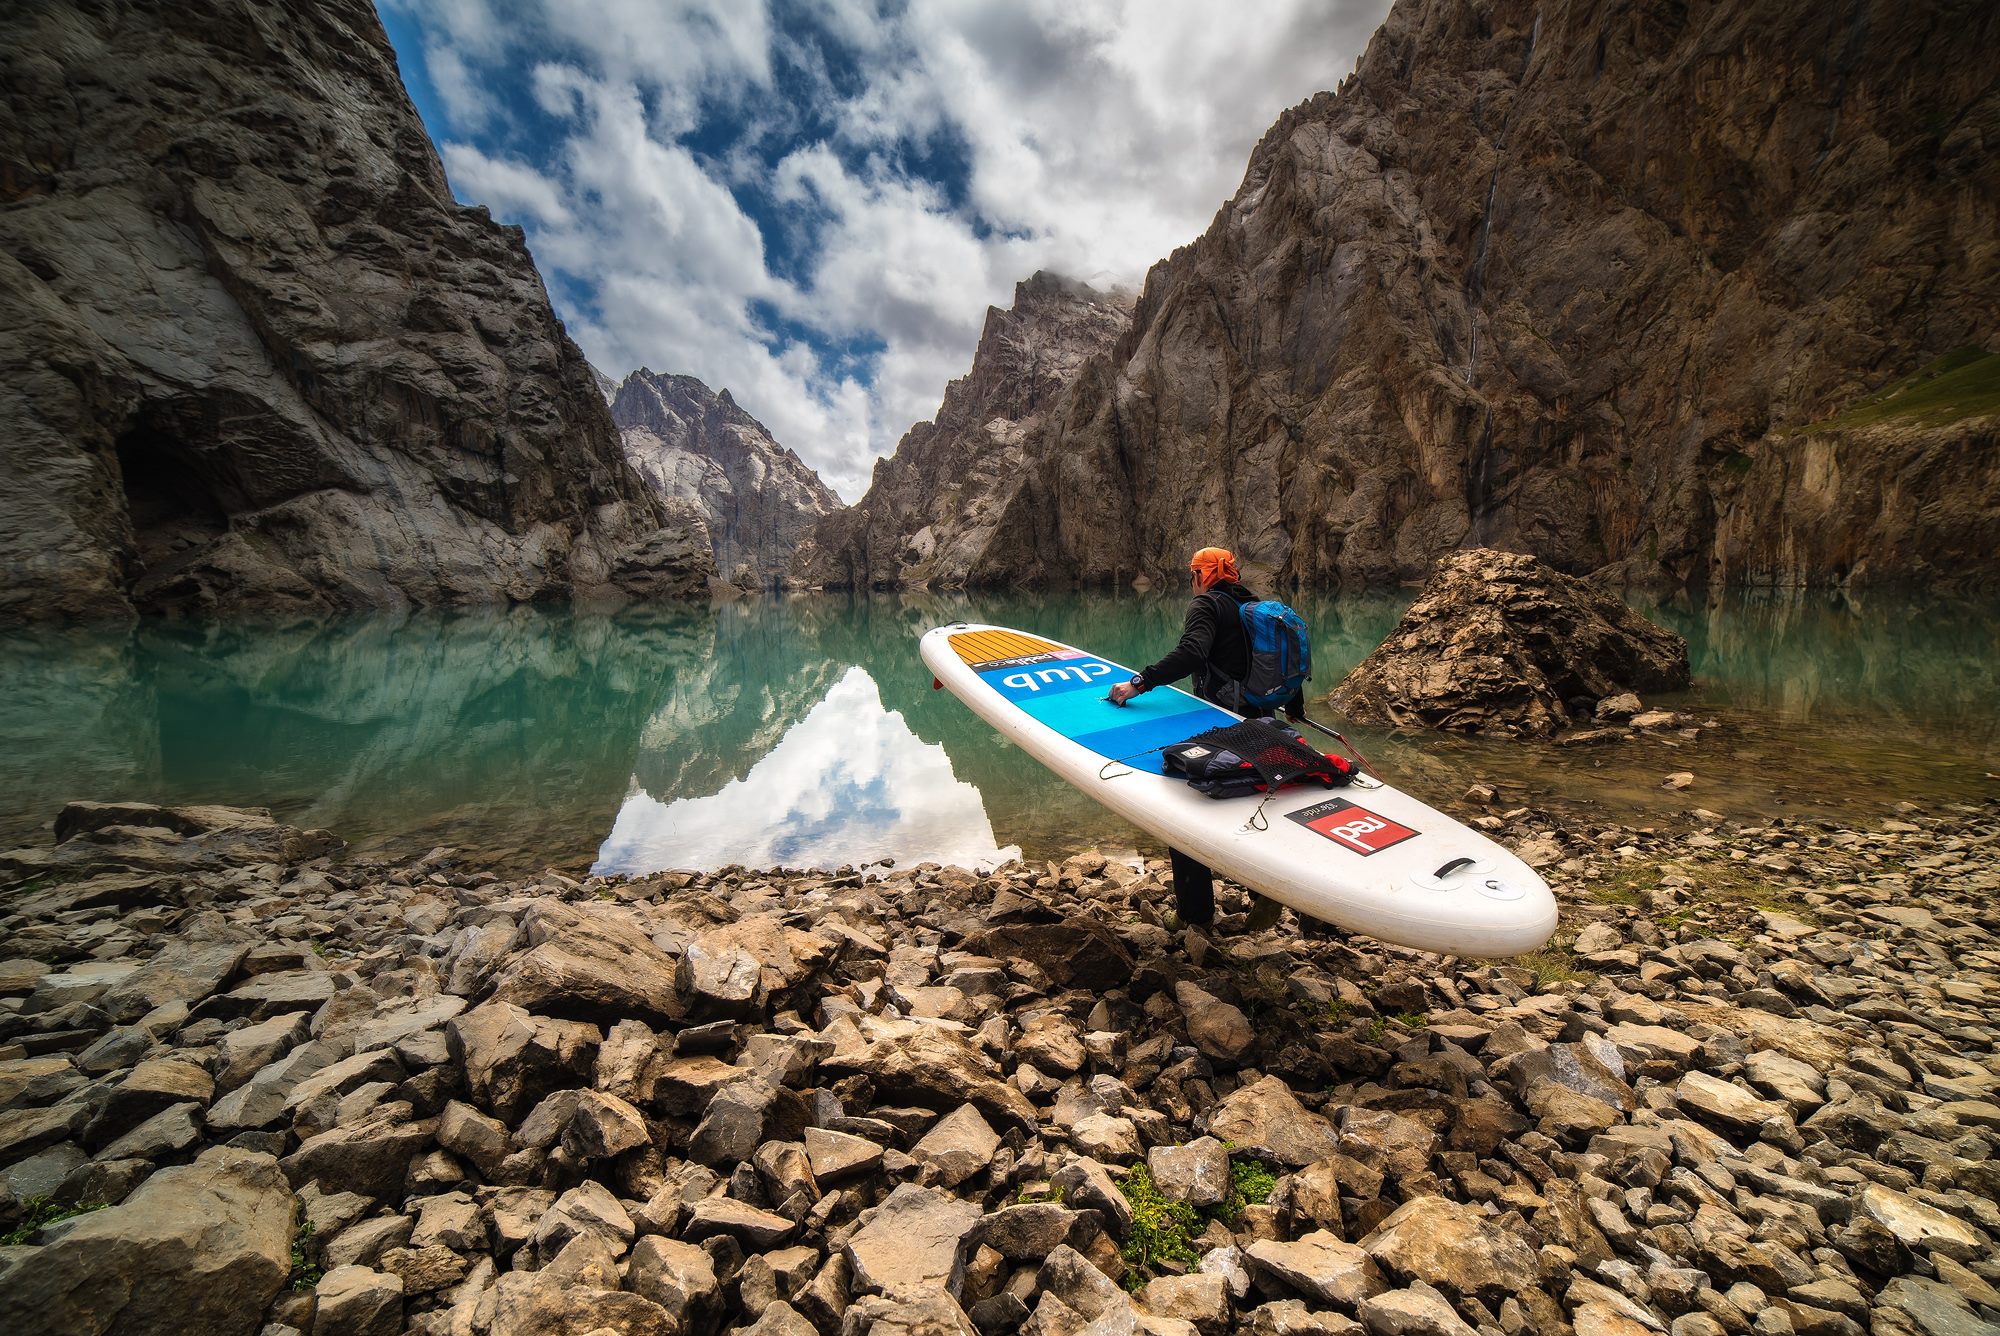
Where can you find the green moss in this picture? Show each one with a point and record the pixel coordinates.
(1963, 383)
(1162, 1230)
(1411, 1020)
(1250, 1184)
(1555, 963)
(1624, 886)
(41, 1213)
(1377, 1027)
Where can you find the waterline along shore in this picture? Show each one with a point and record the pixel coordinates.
(1750, 1087)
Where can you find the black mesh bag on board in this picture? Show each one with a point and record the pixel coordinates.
(1254, 756)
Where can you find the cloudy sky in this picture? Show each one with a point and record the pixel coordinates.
(813, 204)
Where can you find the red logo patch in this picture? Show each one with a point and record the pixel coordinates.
(1351, 826)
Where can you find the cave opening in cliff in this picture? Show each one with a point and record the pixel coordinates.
(173, 508)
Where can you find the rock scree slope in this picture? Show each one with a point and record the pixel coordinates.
(1749, 1090)
(252, 353)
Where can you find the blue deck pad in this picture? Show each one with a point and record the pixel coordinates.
(1055, 677)
(1135, 732)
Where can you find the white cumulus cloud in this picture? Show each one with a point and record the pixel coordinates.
(816, 214)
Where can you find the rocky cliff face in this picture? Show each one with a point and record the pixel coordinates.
(930, 511)
(758, 498)
(1600, 282)
(252, 354)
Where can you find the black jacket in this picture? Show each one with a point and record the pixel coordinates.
(1213, 648)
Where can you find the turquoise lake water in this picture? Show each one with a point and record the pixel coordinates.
(804, 732)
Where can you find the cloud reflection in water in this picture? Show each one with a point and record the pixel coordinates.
(848, 784)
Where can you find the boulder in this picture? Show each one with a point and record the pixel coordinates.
(1199, 1300)
(758, 1229)
(1265, 1115)
(182, 971)
(1499, 643)
(1320, 1266)
(917, 1315)
(1025, 1231)
(1725, 1103)
(1217, 1028)
(589, 1208)
(1417, 1311)
(1917, 1226)
(545, 1303)
(679, 1277)
(956, 1147)
(249, 1050)
(1052, 1042)
(1454, 1247)
(927, 1063)
(1197, 1173)
(358, 1301)
(836, 1155)
(371, 1157)
(512, 1060)
(199, 1247)
(909, 1245)
(1078, 952)
(590, 962)
(465, 1131)
(603, 1126)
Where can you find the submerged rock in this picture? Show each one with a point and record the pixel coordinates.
(1499, 643)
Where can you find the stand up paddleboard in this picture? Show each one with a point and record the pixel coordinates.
(1367, 857)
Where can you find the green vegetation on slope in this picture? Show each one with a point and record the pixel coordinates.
(1963, 383)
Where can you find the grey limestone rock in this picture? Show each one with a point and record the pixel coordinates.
(269, 361)
(1433, 284)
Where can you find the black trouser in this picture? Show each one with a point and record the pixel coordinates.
(1194, 884)
(1194, 889)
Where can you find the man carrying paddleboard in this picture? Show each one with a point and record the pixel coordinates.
(1214, 649)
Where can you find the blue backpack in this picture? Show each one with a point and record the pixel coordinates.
(1281, 659)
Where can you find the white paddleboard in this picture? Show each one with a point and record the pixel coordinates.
(1367, 856)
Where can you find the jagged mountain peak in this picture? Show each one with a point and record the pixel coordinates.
(927, 512)
(690, 442)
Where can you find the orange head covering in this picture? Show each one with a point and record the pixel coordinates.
(1213, 564)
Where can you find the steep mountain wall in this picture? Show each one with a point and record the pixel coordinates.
(688, 442)
(1596, 281)
(252, 354)
(931, 508)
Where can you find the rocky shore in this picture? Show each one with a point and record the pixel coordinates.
(247, 1084)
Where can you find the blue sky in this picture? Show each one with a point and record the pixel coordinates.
(812, 205)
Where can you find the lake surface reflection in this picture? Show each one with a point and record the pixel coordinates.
(804, 731)
(848, 784)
